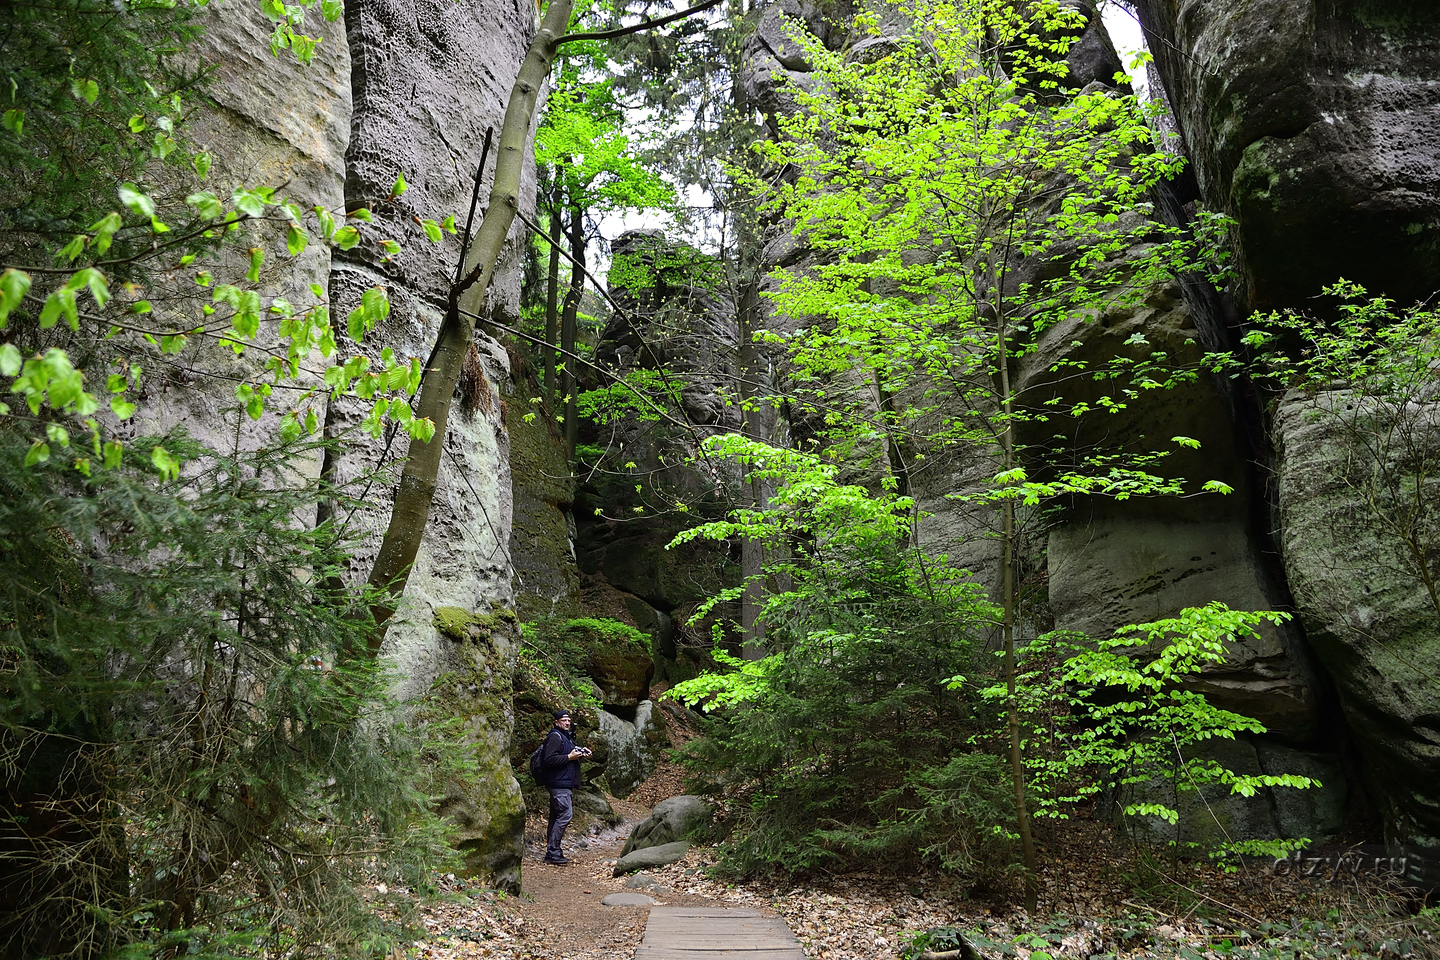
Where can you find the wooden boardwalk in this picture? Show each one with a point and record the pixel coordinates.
(711, 933)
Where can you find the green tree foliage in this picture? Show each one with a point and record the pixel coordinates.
(591, 170)
(192, 754)
(963, 200)
(93, 93)
(845, 738)
(1113, 717)
(110, 240)
(585, 144)
(694, 71)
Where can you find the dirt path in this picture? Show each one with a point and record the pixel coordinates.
(564, 903)
(559, 915)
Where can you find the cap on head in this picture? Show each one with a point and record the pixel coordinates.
(561, 713)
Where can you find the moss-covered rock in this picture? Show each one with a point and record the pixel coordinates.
(1307, 122)
(1365, 608)
(614, 655)
(474, 699)
(541, 530)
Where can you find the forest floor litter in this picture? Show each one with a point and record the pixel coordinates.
(1091, 905)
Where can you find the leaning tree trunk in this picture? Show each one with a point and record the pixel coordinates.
(411, 512)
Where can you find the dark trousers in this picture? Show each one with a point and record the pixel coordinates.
(560, 816)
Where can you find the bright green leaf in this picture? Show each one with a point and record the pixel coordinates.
(136, 200)
(14, 284)
(297, 241)
(10, 360)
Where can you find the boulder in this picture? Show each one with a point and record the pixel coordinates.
(633, 747)
(627, 900)
(670, 821)
(590, 799)
(777, 31)
(660, 856)
(614, 655)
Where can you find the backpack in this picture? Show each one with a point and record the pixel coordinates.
(537, 764)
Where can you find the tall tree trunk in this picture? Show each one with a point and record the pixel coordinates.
(756, 425)
(569, 320)
(411, 512)
(1009, 591)
(552, 296)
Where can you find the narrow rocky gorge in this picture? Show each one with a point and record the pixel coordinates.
(1313, 125)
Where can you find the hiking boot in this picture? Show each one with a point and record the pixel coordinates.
(559, 861)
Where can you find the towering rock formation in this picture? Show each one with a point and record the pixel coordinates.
(1314, 125)
(398, 86)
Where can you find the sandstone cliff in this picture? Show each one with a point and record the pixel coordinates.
(408, 87)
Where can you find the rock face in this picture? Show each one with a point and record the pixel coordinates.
(478, 689)
(1363, 602)
(675, 315)
(399, 86)
(1313, 124)
(428, 79)
(634, 746)
(274, 122)
(542, 531)
(1113, 564)
(1214, 816)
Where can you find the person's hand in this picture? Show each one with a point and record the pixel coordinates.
(576, 754)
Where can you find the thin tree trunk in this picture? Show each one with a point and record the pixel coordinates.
(1009, 589)
(755, 426)
(552, 297)
(569, 321)
(411, 512)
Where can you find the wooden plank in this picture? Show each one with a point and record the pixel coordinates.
(712, 933)
(723, 943)
(673, 953)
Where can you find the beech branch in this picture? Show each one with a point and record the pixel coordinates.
(646, 24)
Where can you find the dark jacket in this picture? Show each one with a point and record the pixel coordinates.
(563, 771)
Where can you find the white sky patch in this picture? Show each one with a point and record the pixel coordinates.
(1129, 40)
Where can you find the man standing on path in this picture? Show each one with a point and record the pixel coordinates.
(561, 759)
